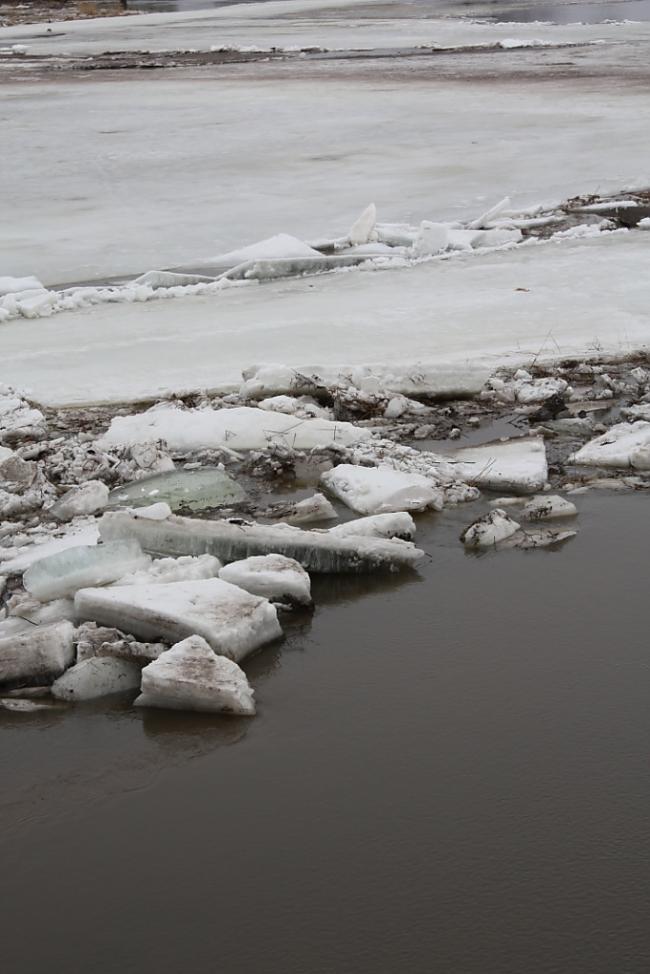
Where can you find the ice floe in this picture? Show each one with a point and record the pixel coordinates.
(37, 655)
(274, 577)
(318, 551)
(96, 677)
(64, 573)
(381, 489)
(489, 530)
(518, 465)
(195, 490)
(393, 525)
(623, 445)
(231, 620)
(190, 676)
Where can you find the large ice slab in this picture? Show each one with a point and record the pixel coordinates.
(90, 498)
(518, 465)
(64, 573)
(190, 676)
(622, 446)
(96, 677)
(242, 428)
(232, 621)
(317, 551)
(381, 490)
(274, 577)
(195, 490)
(38, 655)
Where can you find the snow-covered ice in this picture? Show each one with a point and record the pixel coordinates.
(190, 676)
(274, 577)
(165, 570)
(623, 445)
(518, 465)
(242, 428)
(489, 530)
(381, 489)
(231, 620)
(394, 525)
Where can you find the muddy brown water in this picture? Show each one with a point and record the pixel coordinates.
(448, 772)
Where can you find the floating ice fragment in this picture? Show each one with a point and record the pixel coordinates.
(315, 508)
(191, 677)
(96, 677)
(64, 573)
(489, 530)
(376, 490)
(317, 551)
(273, 577)
(546, 507)
(195, 490)
(231, 620)
(518, 465)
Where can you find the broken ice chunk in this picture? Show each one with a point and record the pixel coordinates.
(96, 677)
(38, 655)
(242, 428)
(483, 221)
(273, 577)
(546, 507)
(540, 538)
(94, 640)
(432, 239)
(90, 498)
(363, 229)
(489, 530)
(62, 574)
(397, 525)
(622, 446)
(317, 551)
(315, 508)
(195, 490)
(191, 677)
(232, 621)
(376, 490)
(518, 465)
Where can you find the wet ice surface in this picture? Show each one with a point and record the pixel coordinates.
(425, 787)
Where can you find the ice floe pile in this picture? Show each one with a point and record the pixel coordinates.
(368, 244)
(154, 551)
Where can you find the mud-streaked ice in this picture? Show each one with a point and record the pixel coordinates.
(38, 655)
(231, 620)
(96, 677)
(489, 530)
(190, 676)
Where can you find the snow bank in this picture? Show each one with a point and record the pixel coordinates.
(242, 428)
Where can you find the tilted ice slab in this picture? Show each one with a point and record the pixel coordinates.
(489, 530)
(317, 551)
(232, 621)
(273, 577)
(381, 490)
(38, 655)
(518, 465)
(243, 428)
(65, 573)
(190, 676)
(83, 533)
(96, 677)
(622, 446)
(434, 382)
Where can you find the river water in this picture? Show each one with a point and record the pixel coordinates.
(448, 772)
